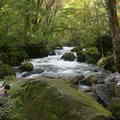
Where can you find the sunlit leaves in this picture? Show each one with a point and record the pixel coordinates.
(83, 20)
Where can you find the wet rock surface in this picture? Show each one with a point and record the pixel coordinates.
(108, 90)
(68, 56)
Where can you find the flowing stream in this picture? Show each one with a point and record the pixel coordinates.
(54, 66)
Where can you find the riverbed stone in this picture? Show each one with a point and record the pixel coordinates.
(92, 79)
(104, 44)
(26, 67)
(103, 93)
(114, 77)
(52, 53)
(37, 71)
(110, 89)
(68, 56)
(77, 80)
(88, 55)
(4, 108)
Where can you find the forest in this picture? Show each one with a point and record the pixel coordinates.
(59, 60)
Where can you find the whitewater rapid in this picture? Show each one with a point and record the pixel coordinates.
(54, 66)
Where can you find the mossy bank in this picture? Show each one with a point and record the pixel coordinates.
(52, 99)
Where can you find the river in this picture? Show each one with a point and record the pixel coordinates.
(54, 66)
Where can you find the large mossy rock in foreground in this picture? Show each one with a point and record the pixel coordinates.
(68, 57)
(51, 99)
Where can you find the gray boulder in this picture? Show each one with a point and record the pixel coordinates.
(113, 78)
(68, 56)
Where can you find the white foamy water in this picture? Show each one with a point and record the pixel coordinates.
(54, 66)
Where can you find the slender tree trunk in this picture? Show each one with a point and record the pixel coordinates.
(114, 26)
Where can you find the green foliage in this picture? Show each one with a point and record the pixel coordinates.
(92, 55)
(4, 108)
(115, 108)
(13, 56)
(54, 100)
(10, 78)
(100, 118)
(36, 50)
(104, 45)
(26, 67)
(6, 70)
(25, 22)
(77, 49)
(89, 55)
(48, 24)
(81, 22)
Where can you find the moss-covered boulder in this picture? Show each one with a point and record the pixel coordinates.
(89, 55)
(68, 57)
(90, 80)
(107, 63)
(76, 49)
(26, 67)
(52, 53)
(52, 99)
(77, 80)
(81, 56)
(6, 70)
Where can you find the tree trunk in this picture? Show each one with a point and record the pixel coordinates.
(114, 26)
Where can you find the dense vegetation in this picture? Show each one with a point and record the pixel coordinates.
(46, 101)
(34, 29)
(30, 27)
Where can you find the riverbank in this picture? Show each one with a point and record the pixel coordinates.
(54, 99)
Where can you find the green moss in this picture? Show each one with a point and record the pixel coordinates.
(107, 63)
(77, 49)
(6, 70)
(10, 78)
(89, 55)
(52, 99)
(115, 108)
(26, 67)
(100, 118)
(13, 56)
